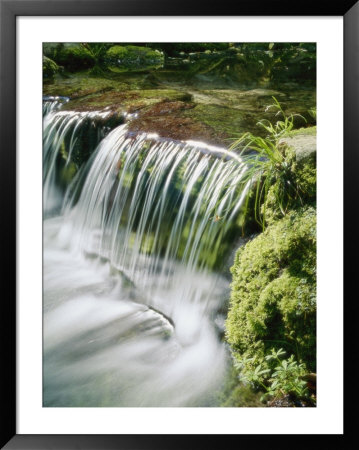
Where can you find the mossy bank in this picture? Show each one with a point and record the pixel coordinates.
(271, 323)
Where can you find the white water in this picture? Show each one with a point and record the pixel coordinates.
(53, 104)
(130, 301)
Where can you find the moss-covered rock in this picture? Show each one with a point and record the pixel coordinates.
(309, 131)
(49, 67)
(131, 57)
(74, 57)
(167, 119)
(305, 146)
(273, 299)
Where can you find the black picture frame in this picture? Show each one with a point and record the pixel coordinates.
(9, 10)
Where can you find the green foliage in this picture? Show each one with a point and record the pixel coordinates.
(281, 377)
(97, 49)
(282, 127)
(293, 62)
(243, 62)
(272, 167)
(98, 52)
(287, 378)
(273, 298)
(78, 56)
(123, 58)
(247, 63)
(73, 57)
(49, 67)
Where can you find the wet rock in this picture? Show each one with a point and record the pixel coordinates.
(305, 147)
(176, 127)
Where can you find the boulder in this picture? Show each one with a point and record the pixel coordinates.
(74, 57)
(133, 58)
(305, 147)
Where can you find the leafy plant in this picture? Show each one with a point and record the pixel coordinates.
(271, 163)
(282, 377)
(287, 376)
(256, 377)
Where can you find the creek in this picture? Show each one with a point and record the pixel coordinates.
(134, 247)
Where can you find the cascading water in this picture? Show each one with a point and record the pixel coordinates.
(53, 104)
(66, 133)
(131, 292)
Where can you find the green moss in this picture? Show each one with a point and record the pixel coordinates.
(74, 57)
(273, 298)
(131, 57)
(309, 131)
(301, 174)
(49, 67)
(306, 175)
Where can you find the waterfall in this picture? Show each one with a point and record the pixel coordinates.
(52, 104)
(68, 139)
(133, 254)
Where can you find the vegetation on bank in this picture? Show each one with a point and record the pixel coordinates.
(279, 184)
(233, 62)
(271, 323)
(273, 301)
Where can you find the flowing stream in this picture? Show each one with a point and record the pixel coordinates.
(134, 243)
